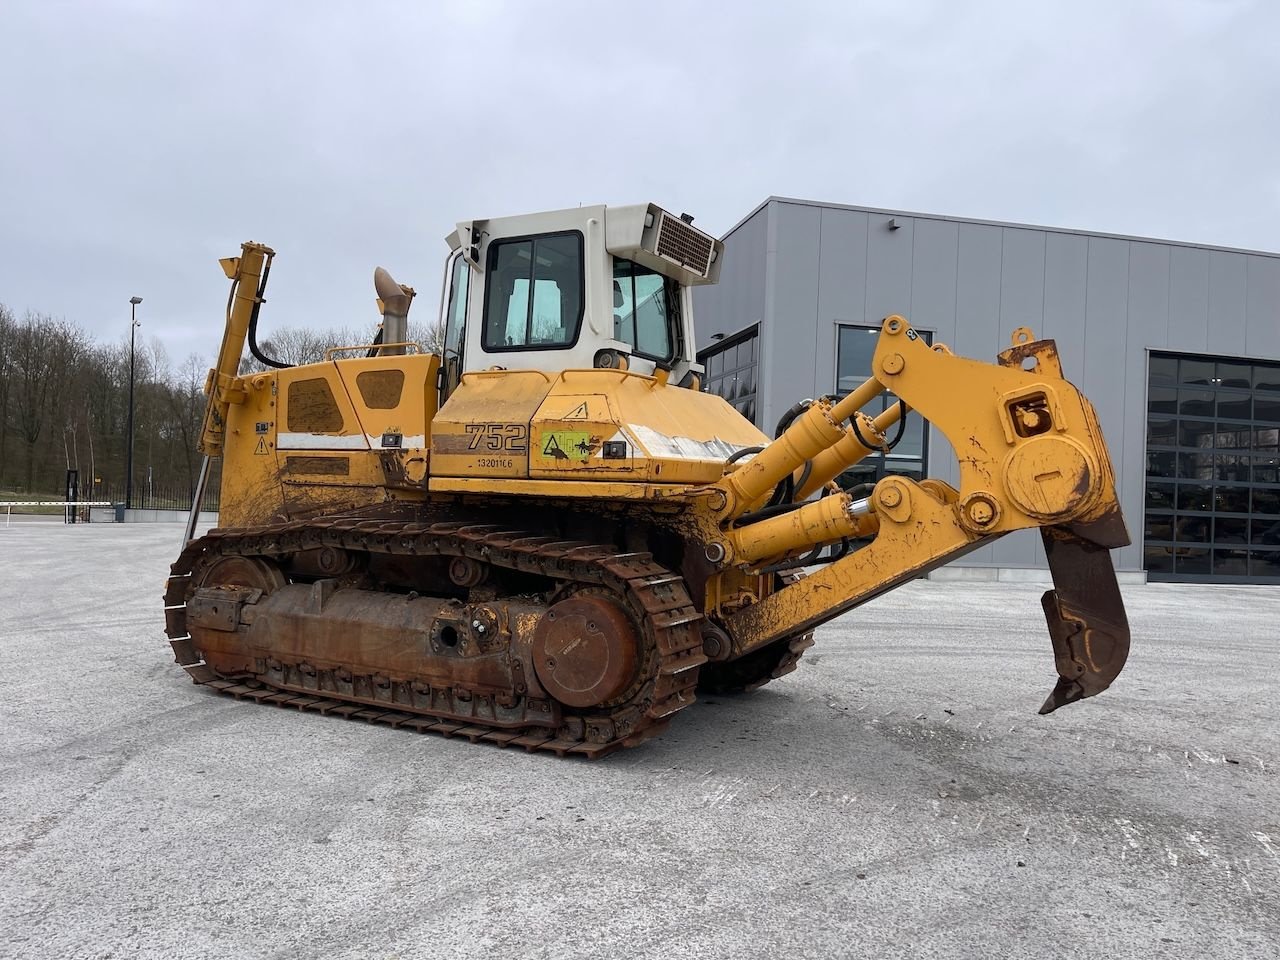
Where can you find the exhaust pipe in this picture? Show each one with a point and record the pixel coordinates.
(394, 300)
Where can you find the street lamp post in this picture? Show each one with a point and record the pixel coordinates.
(128, 468)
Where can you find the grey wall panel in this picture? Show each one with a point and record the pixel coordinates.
(1226, 302)
(978, 307)
(933, 308)
(1106, 319)
(933, 277)
(1019, 549)
(978, 290)
(1022, 269)
(738, 300)
(751, 309)
(1188, 325)
(1262, 307)
(792, 311)
(1066, 276)
(842, 287)
(1105, 340)
(1149, 291)
(803, 268)
(842, 267)
(888, 268)
(1022, 261)
(1063, 307)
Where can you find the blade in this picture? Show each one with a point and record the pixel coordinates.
(1087, 623)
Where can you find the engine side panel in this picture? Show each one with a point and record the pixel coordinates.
(585, 425)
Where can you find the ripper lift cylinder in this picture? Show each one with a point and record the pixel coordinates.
(813, 431)
(823, 521)
(846, 452)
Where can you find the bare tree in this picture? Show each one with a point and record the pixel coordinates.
(299, 345)
(8, 330)
(46, 353)
(55, 380)
(428, 334)
(186, 404)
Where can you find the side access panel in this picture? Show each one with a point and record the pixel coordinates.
(324, 456)
(614, 425)
(483, 428)
(395, 399)
(585, 425)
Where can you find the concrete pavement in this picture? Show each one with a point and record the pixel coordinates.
(897, 796)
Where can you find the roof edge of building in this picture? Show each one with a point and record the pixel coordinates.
(995, 223)
(756, 209)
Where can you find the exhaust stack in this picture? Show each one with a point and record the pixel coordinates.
(394, 300)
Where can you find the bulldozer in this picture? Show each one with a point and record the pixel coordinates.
(544, 533)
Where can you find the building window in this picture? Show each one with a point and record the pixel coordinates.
(534, 293)
(855, 346)
(732, 368)
(1213, 469)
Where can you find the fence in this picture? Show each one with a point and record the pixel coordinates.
(72, 511)
(159, 496)
(79, 496)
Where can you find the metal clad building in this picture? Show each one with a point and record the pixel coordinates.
(1176, 345)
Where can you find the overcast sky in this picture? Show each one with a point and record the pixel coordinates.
(143, 139)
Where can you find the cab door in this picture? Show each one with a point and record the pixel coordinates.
(455, 324)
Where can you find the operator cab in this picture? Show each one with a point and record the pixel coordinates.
(605, 287)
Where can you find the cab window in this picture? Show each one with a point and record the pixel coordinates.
(533, 293)
(646, 310)
(456, 316)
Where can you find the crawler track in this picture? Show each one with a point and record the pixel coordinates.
(655, 597)
(755, 669)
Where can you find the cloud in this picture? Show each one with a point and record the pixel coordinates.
(146, 139)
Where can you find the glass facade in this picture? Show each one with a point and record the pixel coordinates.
(1213, 470)
(732, 370)
(854, 349)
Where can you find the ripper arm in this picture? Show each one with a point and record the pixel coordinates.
(1031, 454)
(248, 273)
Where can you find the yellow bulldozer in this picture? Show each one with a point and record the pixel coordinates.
(544, 534)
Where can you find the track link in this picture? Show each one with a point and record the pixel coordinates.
(657, 598)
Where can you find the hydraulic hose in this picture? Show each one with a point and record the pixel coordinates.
(744, 452)
(253, 322)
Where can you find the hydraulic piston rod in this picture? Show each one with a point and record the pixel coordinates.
(812, 432)
(847, 451)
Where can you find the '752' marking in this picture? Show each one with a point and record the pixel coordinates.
(507, 437)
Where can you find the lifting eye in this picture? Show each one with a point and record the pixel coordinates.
(1030, 416)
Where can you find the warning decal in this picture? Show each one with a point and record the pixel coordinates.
(578, 413)
(568, 445)
(261, 449)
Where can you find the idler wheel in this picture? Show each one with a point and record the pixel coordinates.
(585, 651)
(236, 571)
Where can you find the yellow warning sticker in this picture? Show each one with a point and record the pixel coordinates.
(568, 444)
(261, 449)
